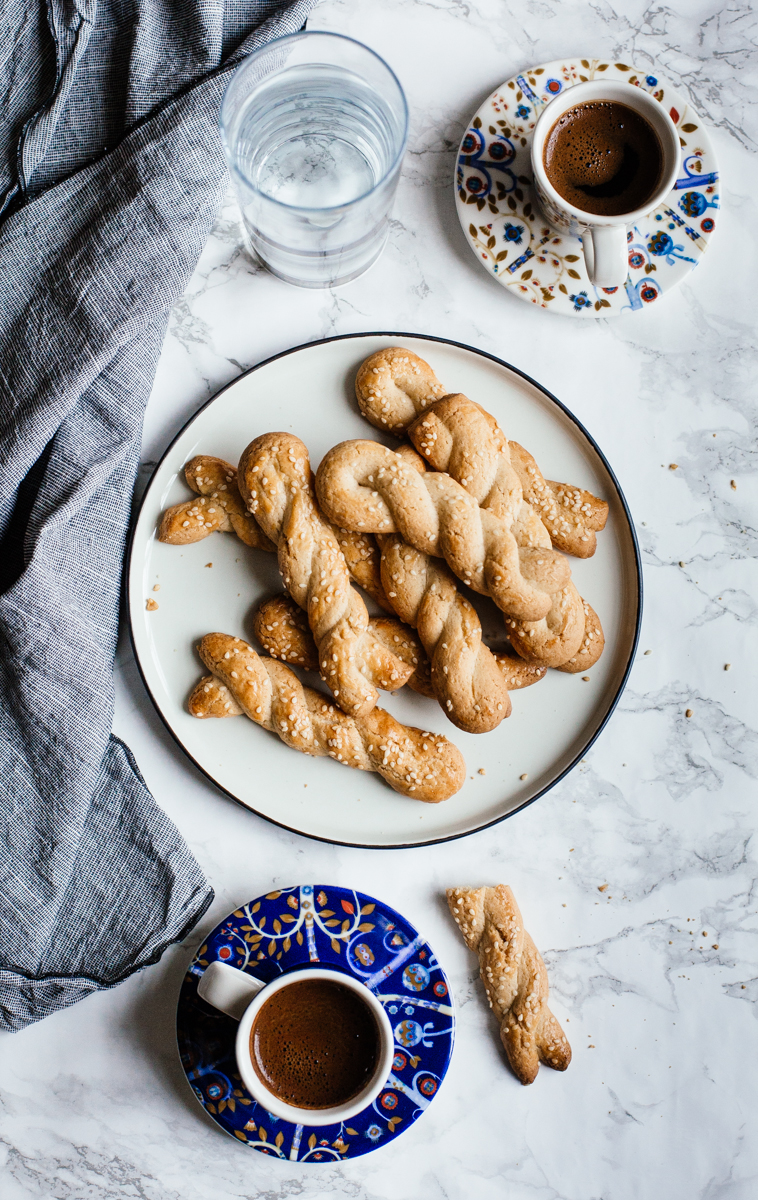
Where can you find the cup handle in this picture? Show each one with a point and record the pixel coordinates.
(605, 255)
(228, 989)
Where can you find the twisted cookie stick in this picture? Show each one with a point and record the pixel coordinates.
(514, 978)
(222, 509)
(275, 482)
(423, 765)
(362, 485)
(282, 630)
(394, 386)
(364, 564)
(571, 515)
(465, 675)
(424, 594)
(219, 507)
(190, 522)
(571, 627)
(459, 437)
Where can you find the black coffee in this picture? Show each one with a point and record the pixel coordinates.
(603, 158)
(315, 1044)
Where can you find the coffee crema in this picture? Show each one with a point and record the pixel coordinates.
(315, 1044)
(603, 158)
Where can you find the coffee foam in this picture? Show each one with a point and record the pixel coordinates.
(603, 157)
(315, 1044)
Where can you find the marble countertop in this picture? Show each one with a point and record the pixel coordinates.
(658, 989)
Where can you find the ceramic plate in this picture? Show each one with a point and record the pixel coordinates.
(540, 264)
(293, 928)
(309, 391)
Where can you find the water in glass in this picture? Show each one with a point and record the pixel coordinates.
(315, 150)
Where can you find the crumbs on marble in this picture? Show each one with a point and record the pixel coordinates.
(727, 666)
(151, 605)
(156, 587)
(673, 466)
(688, 712)
(209, 564)
(733, 484)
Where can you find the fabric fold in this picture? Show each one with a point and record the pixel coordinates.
(96, 245)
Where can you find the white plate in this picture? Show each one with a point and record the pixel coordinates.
(309, 391)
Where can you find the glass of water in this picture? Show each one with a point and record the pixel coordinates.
(314, 126)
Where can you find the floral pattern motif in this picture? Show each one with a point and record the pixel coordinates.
(355, 933)
(544, 265)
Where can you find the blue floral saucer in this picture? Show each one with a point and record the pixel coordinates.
(361, 936)
(540, 264)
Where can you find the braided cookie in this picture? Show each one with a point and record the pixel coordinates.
(593, 643)
(459, 437)
(423, 765)
(219, 507)
(514, 978)
(465, 675)
(275, 481)
(571, 515)
(392, 386)
(362, 485)
(395, 386)
(282, 630)
(363, 562)
(216, 480)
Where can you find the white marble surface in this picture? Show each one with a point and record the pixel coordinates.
(660, 1099)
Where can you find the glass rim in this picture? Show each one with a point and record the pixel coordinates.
(290, 37)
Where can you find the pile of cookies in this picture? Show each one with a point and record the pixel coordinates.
(456, 503)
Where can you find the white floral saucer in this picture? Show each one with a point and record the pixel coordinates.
(540, 264)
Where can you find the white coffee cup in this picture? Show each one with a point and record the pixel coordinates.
(604, 238)
(241, 996)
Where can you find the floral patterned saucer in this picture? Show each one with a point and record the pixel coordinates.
(538, 263)
(361, 936)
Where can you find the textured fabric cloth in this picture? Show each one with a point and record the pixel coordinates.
(111, 172)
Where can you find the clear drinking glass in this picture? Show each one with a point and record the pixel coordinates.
(314, 126)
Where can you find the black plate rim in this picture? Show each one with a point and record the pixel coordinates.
(451, 837)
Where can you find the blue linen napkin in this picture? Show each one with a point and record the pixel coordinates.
(111, 172)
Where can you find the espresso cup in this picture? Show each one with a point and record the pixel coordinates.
(242, 997)
(604, 238)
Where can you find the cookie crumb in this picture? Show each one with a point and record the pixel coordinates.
(156, 587)
(585, 678)
(715, 946)
(209, 564)
(524, 776)
(648, 652)
(482, 771)
(602, 887)
(733, 484)
(673, 466)
(682, 564)
(727, 666)
(151, 605)
(688, 713)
